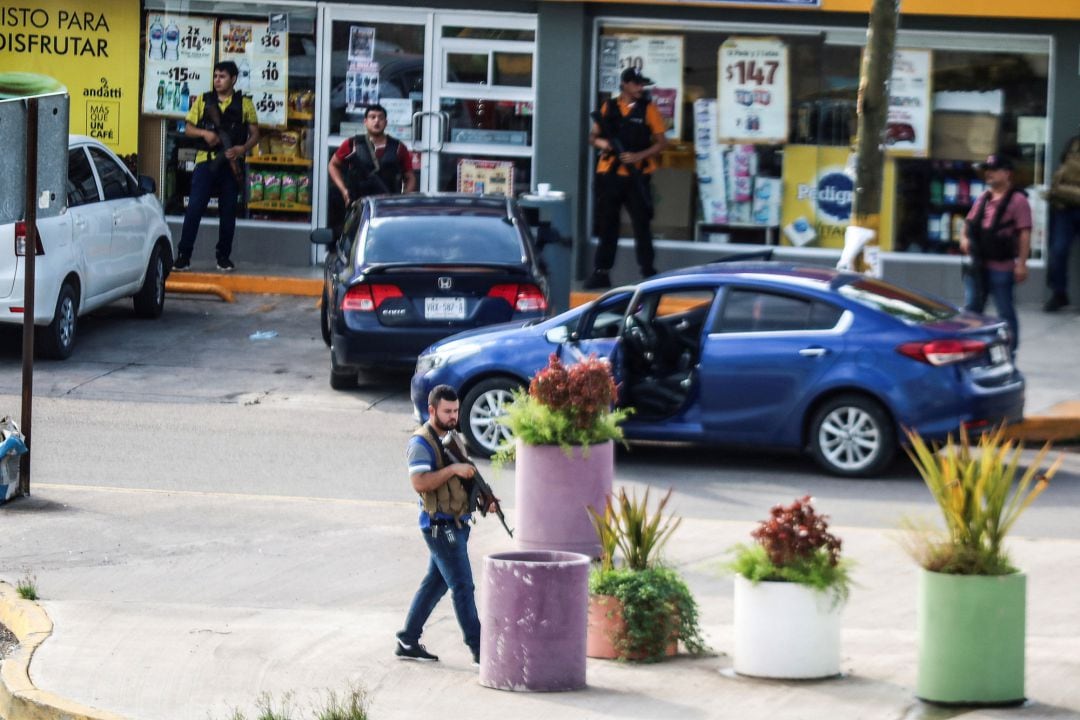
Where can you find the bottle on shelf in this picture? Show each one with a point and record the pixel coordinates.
(935, 186)
(161, 95)
(156, 41)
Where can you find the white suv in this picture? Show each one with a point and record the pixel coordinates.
(109, 242)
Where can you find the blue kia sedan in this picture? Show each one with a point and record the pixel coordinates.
(754, 354)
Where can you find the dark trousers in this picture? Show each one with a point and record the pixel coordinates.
(1065, 227)
(612, 192)
(980, 284)
(448, 569)
(210, 179)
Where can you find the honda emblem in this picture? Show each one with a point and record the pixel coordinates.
(445, 283)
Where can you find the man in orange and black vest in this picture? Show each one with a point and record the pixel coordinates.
(629, 132)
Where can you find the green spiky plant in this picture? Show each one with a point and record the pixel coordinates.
(980, 498)
(656, 603)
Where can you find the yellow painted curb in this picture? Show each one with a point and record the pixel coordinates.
(199, 288)
(251, 284)
(1045, 428)
(19, 698)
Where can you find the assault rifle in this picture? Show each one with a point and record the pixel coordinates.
(609, 130)
(481, 497)
(213, 123)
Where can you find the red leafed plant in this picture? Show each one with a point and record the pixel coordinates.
(795, 545)
(566, 405)
(795, 532)
(583, 391)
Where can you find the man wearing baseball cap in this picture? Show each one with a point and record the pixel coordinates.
(629, 132)
(997, 236)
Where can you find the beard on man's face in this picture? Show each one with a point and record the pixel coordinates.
(438, 425)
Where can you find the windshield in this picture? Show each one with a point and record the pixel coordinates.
(896, 301)
(425, 239)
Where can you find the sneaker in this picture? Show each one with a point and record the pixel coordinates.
(476, 658)
(1057, 301)
(598, 280)
(416, 651)
(182, 263)
(225, 264)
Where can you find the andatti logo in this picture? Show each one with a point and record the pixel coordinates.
(833, 195)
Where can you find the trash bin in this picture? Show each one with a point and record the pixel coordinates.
(549, 216)
(535, 617)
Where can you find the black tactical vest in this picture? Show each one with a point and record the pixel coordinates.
(631, 129)
(232, 120)
(367, 175)
(997, 242)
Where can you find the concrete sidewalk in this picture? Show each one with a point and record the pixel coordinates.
(184, 606)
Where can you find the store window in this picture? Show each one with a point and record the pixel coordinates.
(274, 48)
(761, 128)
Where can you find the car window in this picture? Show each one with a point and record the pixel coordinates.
(605, 320)
(896, 301)
(116, 183)
(439, 238)
(749, 310)
(81, 186)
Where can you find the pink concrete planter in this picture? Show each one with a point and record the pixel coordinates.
(553, 492)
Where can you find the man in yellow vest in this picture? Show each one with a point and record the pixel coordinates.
(444, 525)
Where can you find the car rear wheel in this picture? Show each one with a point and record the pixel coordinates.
(57, 339)
(853, 436)
(150, 300)
(482, 405)
(324, 319)
(342, 378)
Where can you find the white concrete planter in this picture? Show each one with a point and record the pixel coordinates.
(785, 630)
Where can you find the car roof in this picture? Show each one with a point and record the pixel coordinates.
(440, 203)
(782, 272)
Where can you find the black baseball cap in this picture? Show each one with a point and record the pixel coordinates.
(997, 161)
(634, 75)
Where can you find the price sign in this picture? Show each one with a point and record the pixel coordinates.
(752, 91)
(179, 62)
(659, 58)
(262, 56)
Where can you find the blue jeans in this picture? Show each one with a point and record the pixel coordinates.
(209, 179)
(448, 568)
(1064, 229)
(980, 283)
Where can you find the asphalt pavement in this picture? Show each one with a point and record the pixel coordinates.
(185, 604)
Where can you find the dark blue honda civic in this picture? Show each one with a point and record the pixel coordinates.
(754, 354)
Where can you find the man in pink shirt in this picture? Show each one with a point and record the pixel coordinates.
(997, 236)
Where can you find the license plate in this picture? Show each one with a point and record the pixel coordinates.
(444, 308)
(999, 354)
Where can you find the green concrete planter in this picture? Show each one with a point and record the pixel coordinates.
(971, 638)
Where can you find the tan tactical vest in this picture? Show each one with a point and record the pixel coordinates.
(451, 497)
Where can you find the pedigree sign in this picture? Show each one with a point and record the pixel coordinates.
(92, 48)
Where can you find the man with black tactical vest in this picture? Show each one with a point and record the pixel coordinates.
(444, 525)
(224, 120)
(372, 164)
(629, 132)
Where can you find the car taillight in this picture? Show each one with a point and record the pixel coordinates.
(20, 240)
(368, 298)
(943, 352)
(523, 298)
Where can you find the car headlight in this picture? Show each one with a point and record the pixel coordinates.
(444, 356)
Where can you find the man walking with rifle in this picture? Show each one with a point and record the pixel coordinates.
(224, 120)
(629, 132)
(375, 163)
(445, 486)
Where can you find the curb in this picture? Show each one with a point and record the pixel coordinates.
(19, 698)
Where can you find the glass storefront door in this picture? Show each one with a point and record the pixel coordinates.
(458, 89)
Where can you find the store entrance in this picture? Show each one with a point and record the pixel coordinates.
(458, 89)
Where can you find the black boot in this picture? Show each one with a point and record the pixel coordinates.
(599, 280)
(1057, 301)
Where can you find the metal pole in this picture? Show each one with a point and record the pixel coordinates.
(30, 254)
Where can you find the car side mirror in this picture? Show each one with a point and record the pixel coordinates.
(147, 185)
(322, 236)
(557, 335)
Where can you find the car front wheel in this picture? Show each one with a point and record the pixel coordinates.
(852, 436)
(150, 300)
(57, 339)
(480, 410)
(324, 319)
